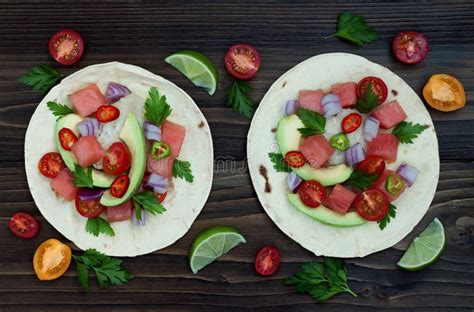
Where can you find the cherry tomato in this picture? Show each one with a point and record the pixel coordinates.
(371, 205)
(67, 138)
(23, 225)
(410, 47)
(372, 164)
(295, 159)
(267, 261)
(444, 93)
(51, 164)
(351, 122)
(242, 61)
(378, 87)
(120, 186)
(312, 193)
(117, 159)
(161, 196)
(89, 208)
(107, 113)
(66, 46)
(51, 259)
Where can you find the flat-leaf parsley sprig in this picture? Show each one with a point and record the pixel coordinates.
(239, 100)
(355, 29)
(42, 78)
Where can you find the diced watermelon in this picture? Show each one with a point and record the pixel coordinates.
(120, 213)
(311, 99)
(316, 150)
(64, 186)
(380, 185)
(340, 199)
(346, 92)
(173, 135)
(390, 114)
(162, 167)
(87, 151)
(87, 100)
(384, 145)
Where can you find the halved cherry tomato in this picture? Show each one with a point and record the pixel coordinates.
(372, 164)
(371, 205)
(410, 47)
(267, 261)
(312, 193)
(67, 138)
(444, 93)
(120, 186)
(117, 159)
(23, 225)
(295, 159)
(161, 196)
(66, 46)
(378, 87)
(351, 122)
(89, 208)
(242, 61)
(107, 113)
(51, 164)
(51, 259)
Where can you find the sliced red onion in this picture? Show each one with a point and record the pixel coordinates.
(290, 107)
(90, 194)
(89, 126)
(152, 135)
(371, 128)
(293, 181)
(83, 128)
(355, 154)
(408, 173)
(140, 222)
(151, 127)
(331, 105)
(115, 92)
(157, 180)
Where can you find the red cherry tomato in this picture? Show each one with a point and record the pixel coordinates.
(371, 205)
(351, 122)
(378, 87)
(372, 164)
(120, 186)
(117, 159)
(67, 138)
(51, 164)
(107, 113)
(312, 193)
(23, 225)
(161, 196)
(295, 159)
(410, 47)
(66, 46)
(267, 261)
(242, 61)
(89, 208)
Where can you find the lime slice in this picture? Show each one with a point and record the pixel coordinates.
(196, 67)
(212, 243)
(425, 248)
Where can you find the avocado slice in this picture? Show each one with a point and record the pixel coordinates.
(99, 178)
(326, 215)
(132, 135)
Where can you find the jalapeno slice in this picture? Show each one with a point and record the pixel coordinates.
(394, 184)
(340, 142)
(160, 150)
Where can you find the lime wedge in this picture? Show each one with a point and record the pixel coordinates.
(425, 249)
(196, 67)
(212, 243)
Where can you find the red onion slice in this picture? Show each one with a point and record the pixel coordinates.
(355, 154)
(331, 105)
(157, 180)
(290, 107)
(293, 181)
(408, 173)
(152, 135)
(150, 127)
(90, 194)
(371, 128)
(115, 92)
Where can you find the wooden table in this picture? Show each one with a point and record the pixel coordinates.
(285, 34)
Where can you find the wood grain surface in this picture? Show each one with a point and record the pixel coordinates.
(285, 33)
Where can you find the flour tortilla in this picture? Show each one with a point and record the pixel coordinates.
(184, 201)
(320, 72)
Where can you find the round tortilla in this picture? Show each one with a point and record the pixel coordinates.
(184, 201)
(320, 72)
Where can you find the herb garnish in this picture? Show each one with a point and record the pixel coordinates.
(406, 131)
(147, 200)
(41, 78)
(82, 177)
(59, 110)
(392, 212)
(279, 163)
(314, 122)
(98, 225)
(355, 29)
(182, 169)
(369, 102)
(156, 107)
(238, 99)
(361, 180)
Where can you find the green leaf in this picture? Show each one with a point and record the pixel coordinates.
(238, 99)
(98, 225)
(369, 102)
(42, 78)
(406, 131)
(392, 212)
(279, 163)
(314, 122)
(138, 210)
(156, 107)
(82, 177)
(147, 200)
(59, 110)
(182, 169)
(361, 180)
(82, 274)
(355, 29)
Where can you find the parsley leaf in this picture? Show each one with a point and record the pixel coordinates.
(361, 180)
(98, 225)
(147, 200)
(59, 110)
(321, 280)
(314, 122)
(82, 177)
(156, 107)
(367, 104)
(182, 169)
(355, 29)
(392, 212)
(406, 131)
(41, 78)
(279, 163)
(238, 99)
(107, 270)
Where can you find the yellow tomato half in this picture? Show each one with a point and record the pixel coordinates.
(51, 260)
(445, 93)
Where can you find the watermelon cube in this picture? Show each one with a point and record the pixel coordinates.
(87, 151)
(64, 186)
(163, 167)
(384, 145)
(120, 213)
(87, 100)
(316, 150)
(311, 99)
(380, 185)
(346, 92)
(340, 199)
(173, 135)
(390, 114)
